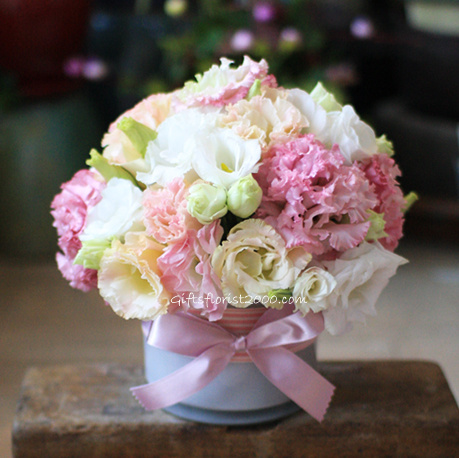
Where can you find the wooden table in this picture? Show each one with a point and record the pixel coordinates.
(380, 408)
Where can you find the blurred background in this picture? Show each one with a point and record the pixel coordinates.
(68, 68)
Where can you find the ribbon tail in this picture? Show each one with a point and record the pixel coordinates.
(295, 378)
(185, 381)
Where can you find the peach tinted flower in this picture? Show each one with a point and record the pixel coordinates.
(165, 212)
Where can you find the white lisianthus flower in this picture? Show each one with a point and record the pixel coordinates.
(254, 261)
(355, 138)
(170, 154)
(361, 275)
(206, 202)
(310, 109)
(129, 279)
(119, 211)
(222, 157)
(333, 124)
(312, 289)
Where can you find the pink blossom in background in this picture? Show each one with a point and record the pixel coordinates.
(382, 172)
(264, 12)
(69, 209)
(242, 40)
(312, 199)
(165, 214)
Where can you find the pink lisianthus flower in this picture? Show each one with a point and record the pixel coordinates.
(210, 296)
(382, 172)
(165, 215)
(312, 198)
(222, 85)
(178, 267)
(79, 277)
(70, 209)
(188, 275)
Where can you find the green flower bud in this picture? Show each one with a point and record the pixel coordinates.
(376, 230)
(139, 134)
(254, 90)
(91, 253)
(385, 146)
(410, 199)
(325, 99)
(244, 196)
(207, 202)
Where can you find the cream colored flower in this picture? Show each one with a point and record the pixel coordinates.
(265, 117)
(128, 278)
(254, 261)
(312, 289)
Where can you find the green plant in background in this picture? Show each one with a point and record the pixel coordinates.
(285, 33)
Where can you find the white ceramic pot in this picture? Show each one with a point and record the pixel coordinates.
(239, 395)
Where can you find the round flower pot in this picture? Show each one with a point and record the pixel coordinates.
(239, 395)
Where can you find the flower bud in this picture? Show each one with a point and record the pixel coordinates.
(376, 230)
(325, 99)
(207, 202)
(312, 289)
(91, 253)
(244, 196)
(139, 134)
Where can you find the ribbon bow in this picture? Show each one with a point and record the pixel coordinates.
(213, 347)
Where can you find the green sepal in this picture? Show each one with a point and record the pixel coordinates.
(139, 134)
(280, 294)
(376, 230)
(385, 146)
(107, 170)
(254, 90)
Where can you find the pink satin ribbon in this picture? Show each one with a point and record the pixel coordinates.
(213, 347)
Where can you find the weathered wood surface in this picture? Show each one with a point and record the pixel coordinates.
(380, 408)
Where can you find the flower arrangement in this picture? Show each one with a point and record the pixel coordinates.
(234, 190)
(231, 192)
